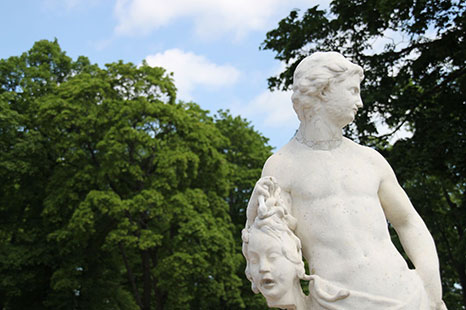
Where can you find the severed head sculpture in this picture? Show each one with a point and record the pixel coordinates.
(273, 252)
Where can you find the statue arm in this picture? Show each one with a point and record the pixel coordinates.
(413, 233)
(263, 187)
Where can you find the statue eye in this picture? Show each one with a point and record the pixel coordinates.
(355, 90)
(254, 260)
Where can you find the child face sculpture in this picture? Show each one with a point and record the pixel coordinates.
(273, 274)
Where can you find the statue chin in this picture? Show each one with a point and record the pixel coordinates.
(281, 304)
(286, 301)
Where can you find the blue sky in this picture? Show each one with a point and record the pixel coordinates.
(212, 46)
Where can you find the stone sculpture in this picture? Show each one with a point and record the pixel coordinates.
(333, 197)
(273, 252)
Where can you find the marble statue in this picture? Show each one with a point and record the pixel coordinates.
(328, 199)
(273, 252)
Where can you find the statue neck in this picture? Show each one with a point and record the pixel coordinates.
(319, 133)
(301, 302)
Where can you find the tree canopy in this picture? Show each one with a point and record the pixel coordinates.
(414, 56)
(113, 195)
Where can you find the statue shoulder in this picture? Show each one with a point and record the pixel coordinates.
(279, 165)
(372, 156)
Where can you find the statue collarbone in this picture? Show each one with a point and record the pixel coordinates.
(327, 199)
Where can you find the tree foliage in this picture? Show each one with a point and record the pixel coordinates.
(112, 194)
(246, 153)
(417, 80)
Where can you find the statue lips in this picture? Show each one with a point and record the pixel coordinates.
(267, 283)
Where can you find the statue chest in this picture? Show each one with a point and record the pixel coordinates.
(326, 175)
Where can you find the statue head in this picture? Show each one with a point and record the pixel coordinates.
(314, 77)
(273, 256)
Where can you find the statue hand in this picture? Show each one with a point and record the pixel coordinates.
(263, 188)
(340, 294)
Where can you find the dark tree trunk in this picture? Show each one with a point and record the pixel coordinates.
(462, 275)
(159, 295)
(146, 277)
(130, 276)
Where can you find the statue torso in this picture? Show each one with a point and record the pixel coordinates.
(341, 223)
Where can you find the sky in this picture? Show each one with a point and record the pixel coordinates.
(211, 46)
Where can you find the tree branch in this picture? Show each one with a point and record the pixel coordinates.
(393, 131)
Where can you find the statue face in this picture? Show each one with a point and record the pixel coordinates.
(272, 273)
(342, 100)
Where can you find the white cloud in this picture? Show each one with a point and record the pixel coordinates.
(273, 108)
(276, 106)
(191, 70)
(211, 17)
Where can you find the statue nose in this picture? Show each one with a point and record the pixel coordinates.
(359, 103)
(264, 266)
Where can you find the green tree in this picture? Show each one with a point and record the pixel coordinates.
(112, 194)
(246, 153)
(417, 81)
